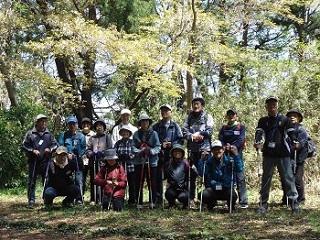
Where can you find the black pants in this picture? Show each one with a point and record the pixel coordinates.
(117, 203)
(173, 194)
(131, 179)
(195, 156)
(210, 196)
(142, 173)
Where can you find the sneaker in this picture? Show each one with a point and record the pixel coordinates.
(243, 206)
(139, 206)
(261, 210)
(78, 202)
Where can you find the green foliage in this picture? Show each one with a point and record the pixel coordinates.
(13, 161)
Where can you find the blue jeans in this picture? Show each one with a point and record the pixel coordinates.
(71, 192)
(242, 188)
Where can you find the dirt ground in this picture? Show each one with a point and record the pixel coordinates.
(88, 222)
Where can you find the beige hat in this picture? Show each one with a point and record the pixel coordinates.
(61, 149)
(40, 116)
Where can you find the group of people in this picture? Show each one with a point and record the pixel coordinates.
(119, 163)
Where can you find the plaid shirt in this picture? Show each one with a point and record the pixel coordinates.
(124, 151)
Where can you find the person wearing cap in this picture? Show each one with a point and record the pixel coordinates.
(125, 120)
(112, 179)
(96, 148)
(177, 175)
(218, 171)
(85, 126)
(233, 134)
(197, 130)
(146, 147)
(276, 152)
(299, 151)
(75, 142)
(169, 133)
(61, 180)
(39, 143)
(123, 148)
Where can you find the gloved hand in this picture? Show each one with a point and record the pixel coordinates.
(99, 154)
(92, 154)
(147, 152)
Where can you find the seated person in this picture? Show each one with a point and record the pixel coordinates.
(113, 179)
(61, 180)
(177, 173)
(219, 174)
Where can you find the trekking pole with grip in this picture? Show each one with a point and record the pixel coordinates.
(231, 187)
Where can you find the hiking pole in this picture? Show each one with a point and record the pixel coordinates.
(189, 178)
(113, 179)
(202, 183)
(259, 161)
(125, 171)
(79, 178)
(46, 177)
(150, 182)
(162, 179)
(295, 162)
(231, 187)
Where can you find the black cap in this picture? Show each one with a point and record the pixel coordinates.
(101, 121)
(232, 111)
(271, 98)
(200, 99)
(297, 112)
(85, 119)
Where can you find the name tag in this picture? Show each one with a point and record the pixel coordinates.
(271, 145)
(40, 142)
(236, 132)
(218, 187)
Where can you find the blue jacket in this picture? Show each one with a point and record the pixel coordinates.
(74, 143)
(35, 140)
(171, 134)
(150, 137)
(233, 134)
(217, 172)
(301, 135)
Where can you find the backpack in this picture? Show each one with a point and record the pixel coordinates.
(238, 129)
(311, 148)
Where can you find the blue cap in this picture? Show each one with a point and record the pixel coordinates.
(72, 119)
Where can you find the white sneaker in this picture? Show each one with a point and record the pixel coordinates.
(139, 206)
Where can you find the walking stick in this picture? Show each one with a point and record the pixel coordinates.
(150, 182)
(111, 196)
(231, 187)
(141, 183)
(259, 161)
(189, 178)
(46, 177)
(162, 179)
(295, 162)
(202, 183)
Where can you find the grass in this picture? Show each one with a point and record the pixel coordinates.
(89, 222)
